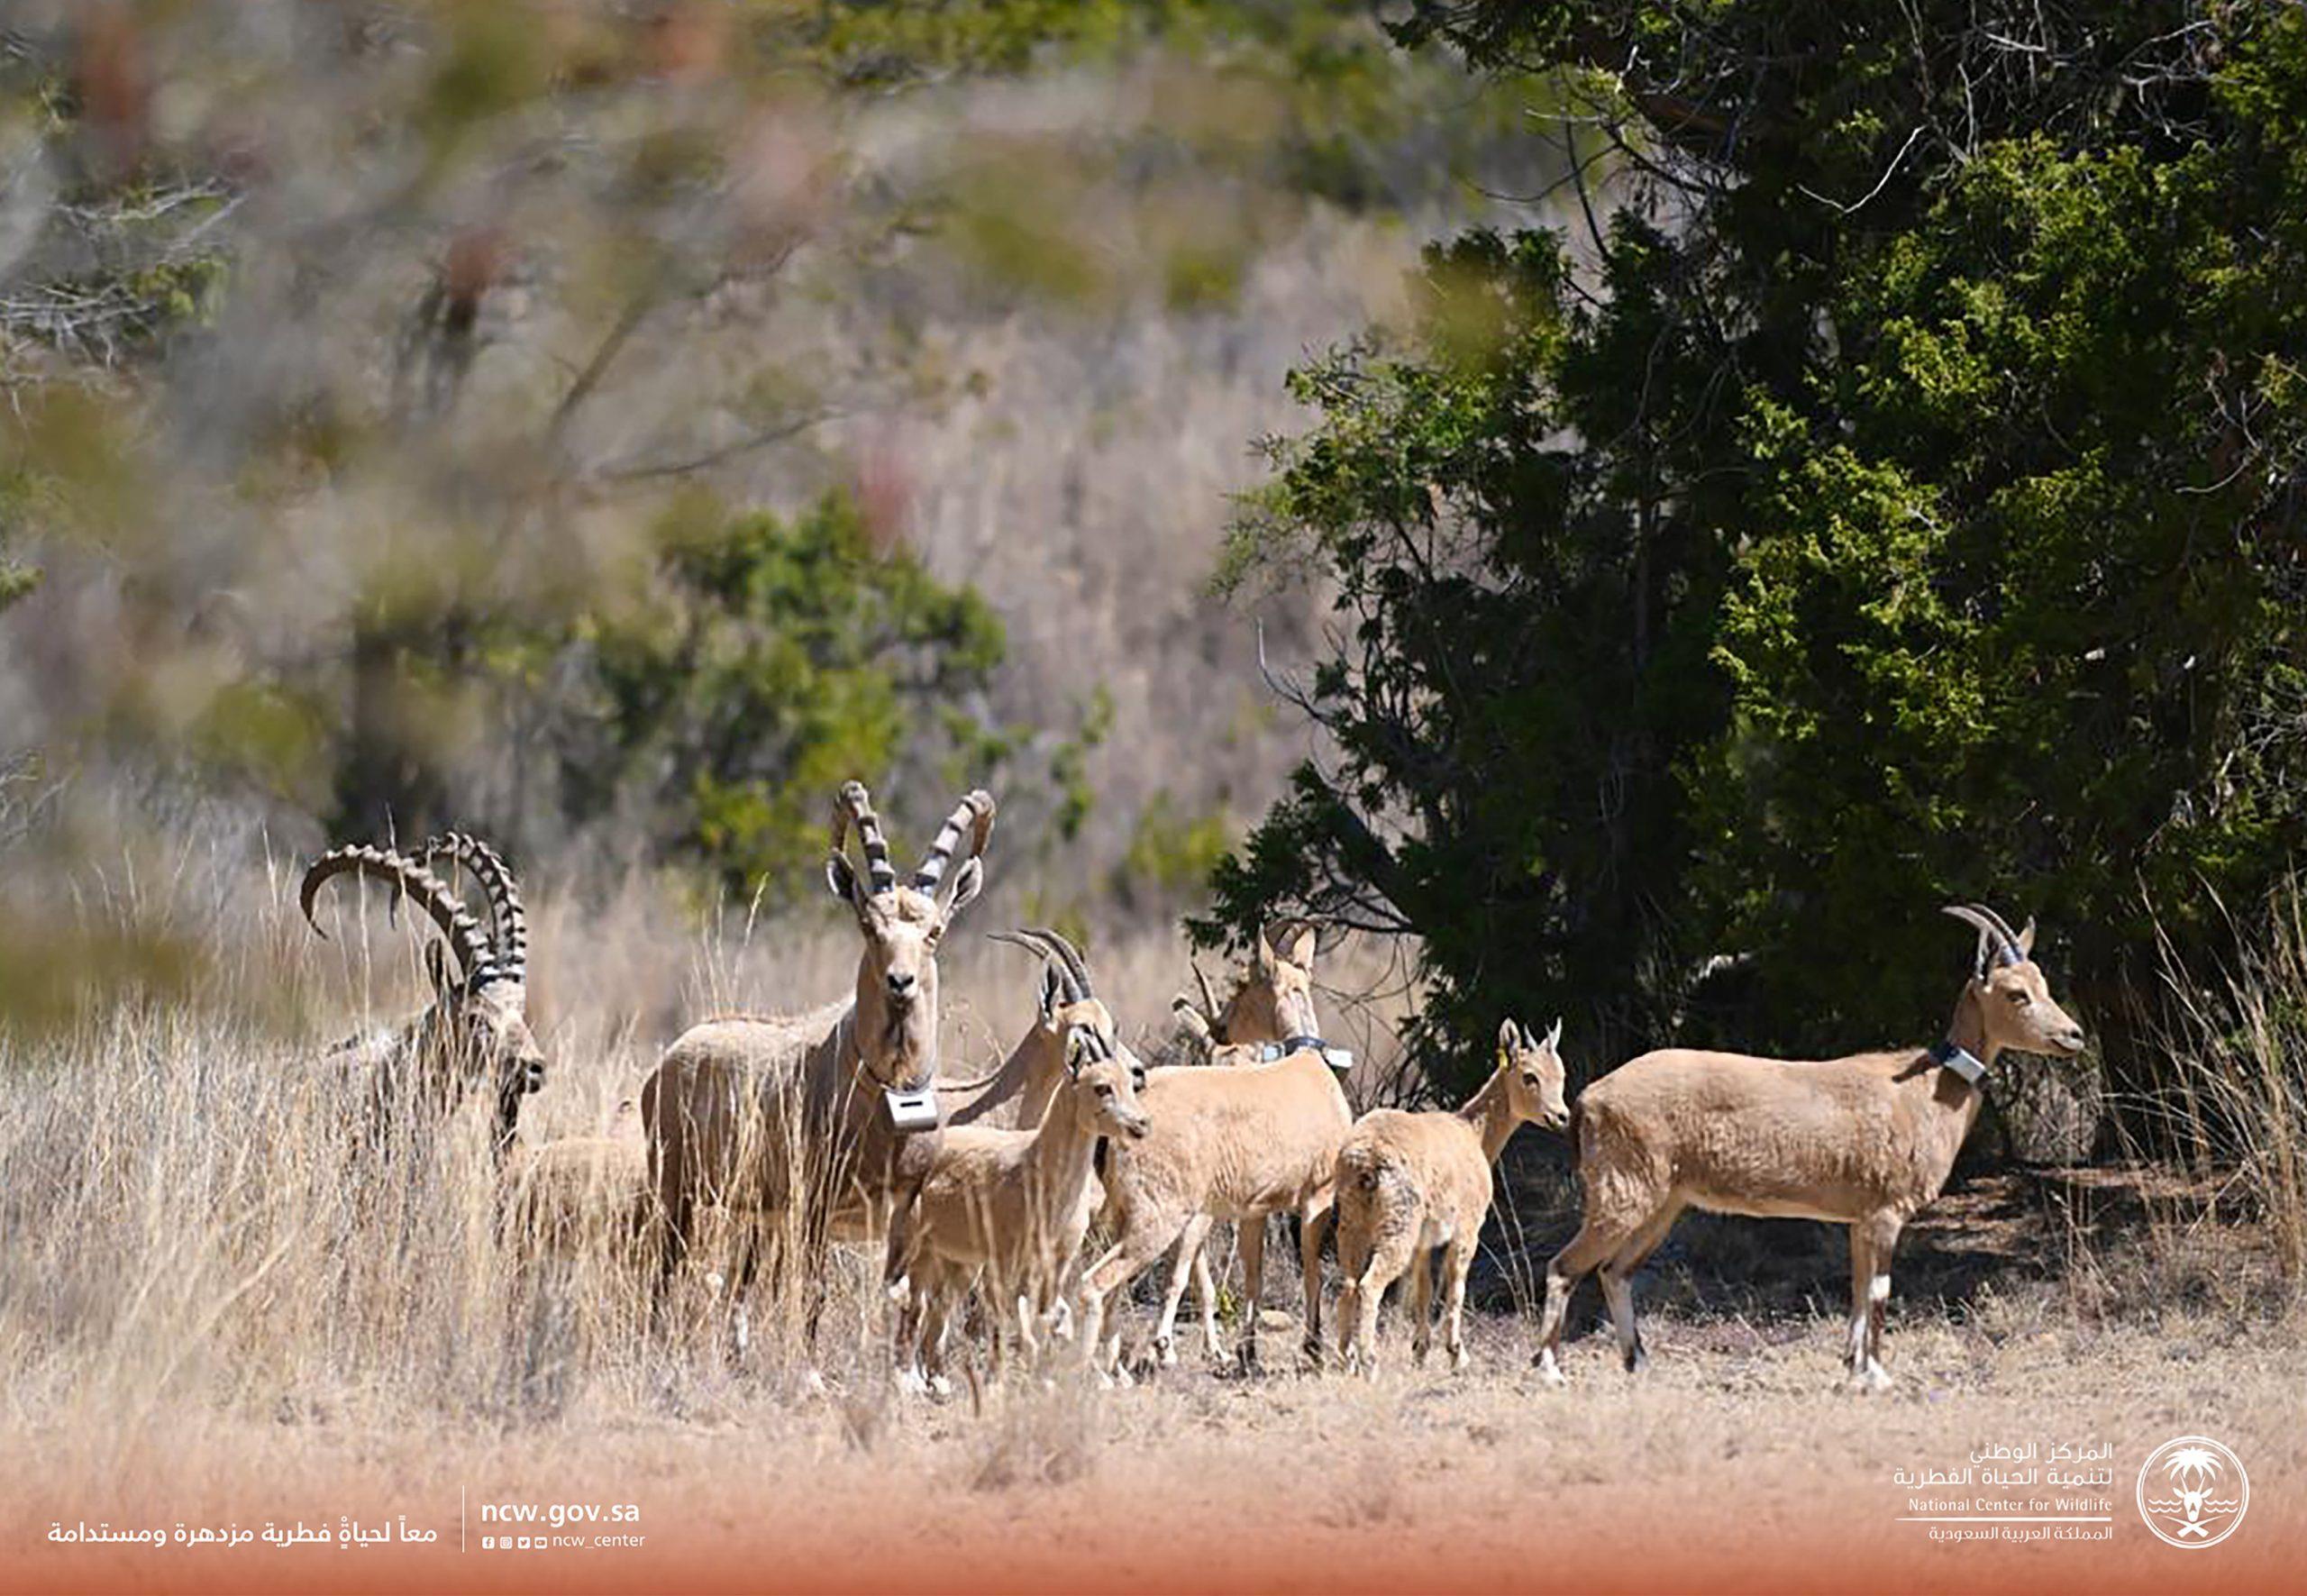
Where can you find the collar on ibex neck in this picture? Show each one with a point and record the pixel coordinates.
(1961, 1060)
(1337, 1058)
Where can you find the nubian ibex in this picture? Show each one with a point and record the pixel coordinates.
(1864, 1141)
(1005, 1210)
(1015, 1094)
(737, 1103)
(475, 1035)
(1240, 1144)
(1408, 1183)
(1269, 1014)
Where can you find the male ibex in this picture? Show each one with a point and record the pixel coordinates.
(736, 1102)
(1006, 1208)
(476, 1031)
(1408, 1183)
(1863, 1141)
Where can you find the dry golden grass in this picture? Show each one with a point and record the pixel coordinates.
(209, 1308)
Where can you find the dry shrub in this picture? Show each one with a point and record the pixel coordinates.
(2230, 1060)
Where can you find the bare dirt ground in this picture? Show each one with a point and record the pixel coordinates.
(1737, 1458)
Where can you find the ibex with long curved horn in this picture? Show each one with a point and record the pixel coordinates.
(735, 1102)
(476, 1031)
(1864, 1141)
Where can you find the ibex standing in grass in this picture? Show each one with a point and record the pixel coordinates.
(1272, 1002)
(475, 1033)
(737, 1103)
(1233, 1144)
(1006, 1208)
(576, 1192)
(1269, 1014)
(1408, 1183)
(1864, 1141)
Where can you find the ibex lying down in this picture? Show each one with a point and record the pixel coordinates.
(1864, 1141)
(476, 1032)
(1408, 1183)
(1007, 1207)
(735, 1103)
(581, 1192)
(1234, 1143)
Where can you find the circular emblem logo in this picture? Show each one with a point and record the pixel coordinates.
(2192, 1492)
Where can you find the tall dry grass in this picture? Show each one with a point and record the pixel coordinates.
(2228, 1068)
(192, 1219)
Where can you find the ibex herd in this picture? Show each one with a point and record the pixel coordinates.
(837, 1126)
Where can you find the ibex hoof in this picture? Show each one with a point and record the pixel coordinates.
(1872, 1379)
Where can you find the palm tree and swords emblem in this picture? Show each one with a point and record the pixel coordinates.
(2202, 1495)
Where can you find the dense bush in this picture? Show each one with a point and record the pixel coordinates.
(1893, 497)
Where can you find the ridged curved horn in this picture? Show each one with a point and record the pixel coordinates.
(1031, 942)
(409, 879)
(1069, 956)
(508, 916)
(853, 805)
(1990, 930)
(973, 815)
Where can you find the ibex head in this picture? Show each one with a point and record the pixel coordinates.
(2015, 1006)
(1534, 1075)
(1274, 1001)
(477, 1030)
(1069, 1005)
(896, 974)
(1106, 1082)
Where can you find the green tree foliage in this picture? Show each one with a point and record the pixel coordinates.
(771, 661)
(1901, 502)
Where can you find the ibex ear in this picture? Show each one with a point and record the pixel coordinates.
(1052, 992)
(1300, 949)
(2027, 939)
(1554, 1037)
(968, 882)
(840, 880)
(1264, 954)
(1509, 1037)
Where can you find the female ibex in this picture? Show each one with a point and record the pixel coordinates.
(1269, 1014)
(1864, 1141)
(736, 1103)
(476, 1029)
(1233, 1144)
(1016, 1094)
(1408, 1183)
(1006, 1208)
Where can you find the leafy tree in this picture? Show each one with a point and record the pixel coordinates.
(1901, 502)
(771, 661)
